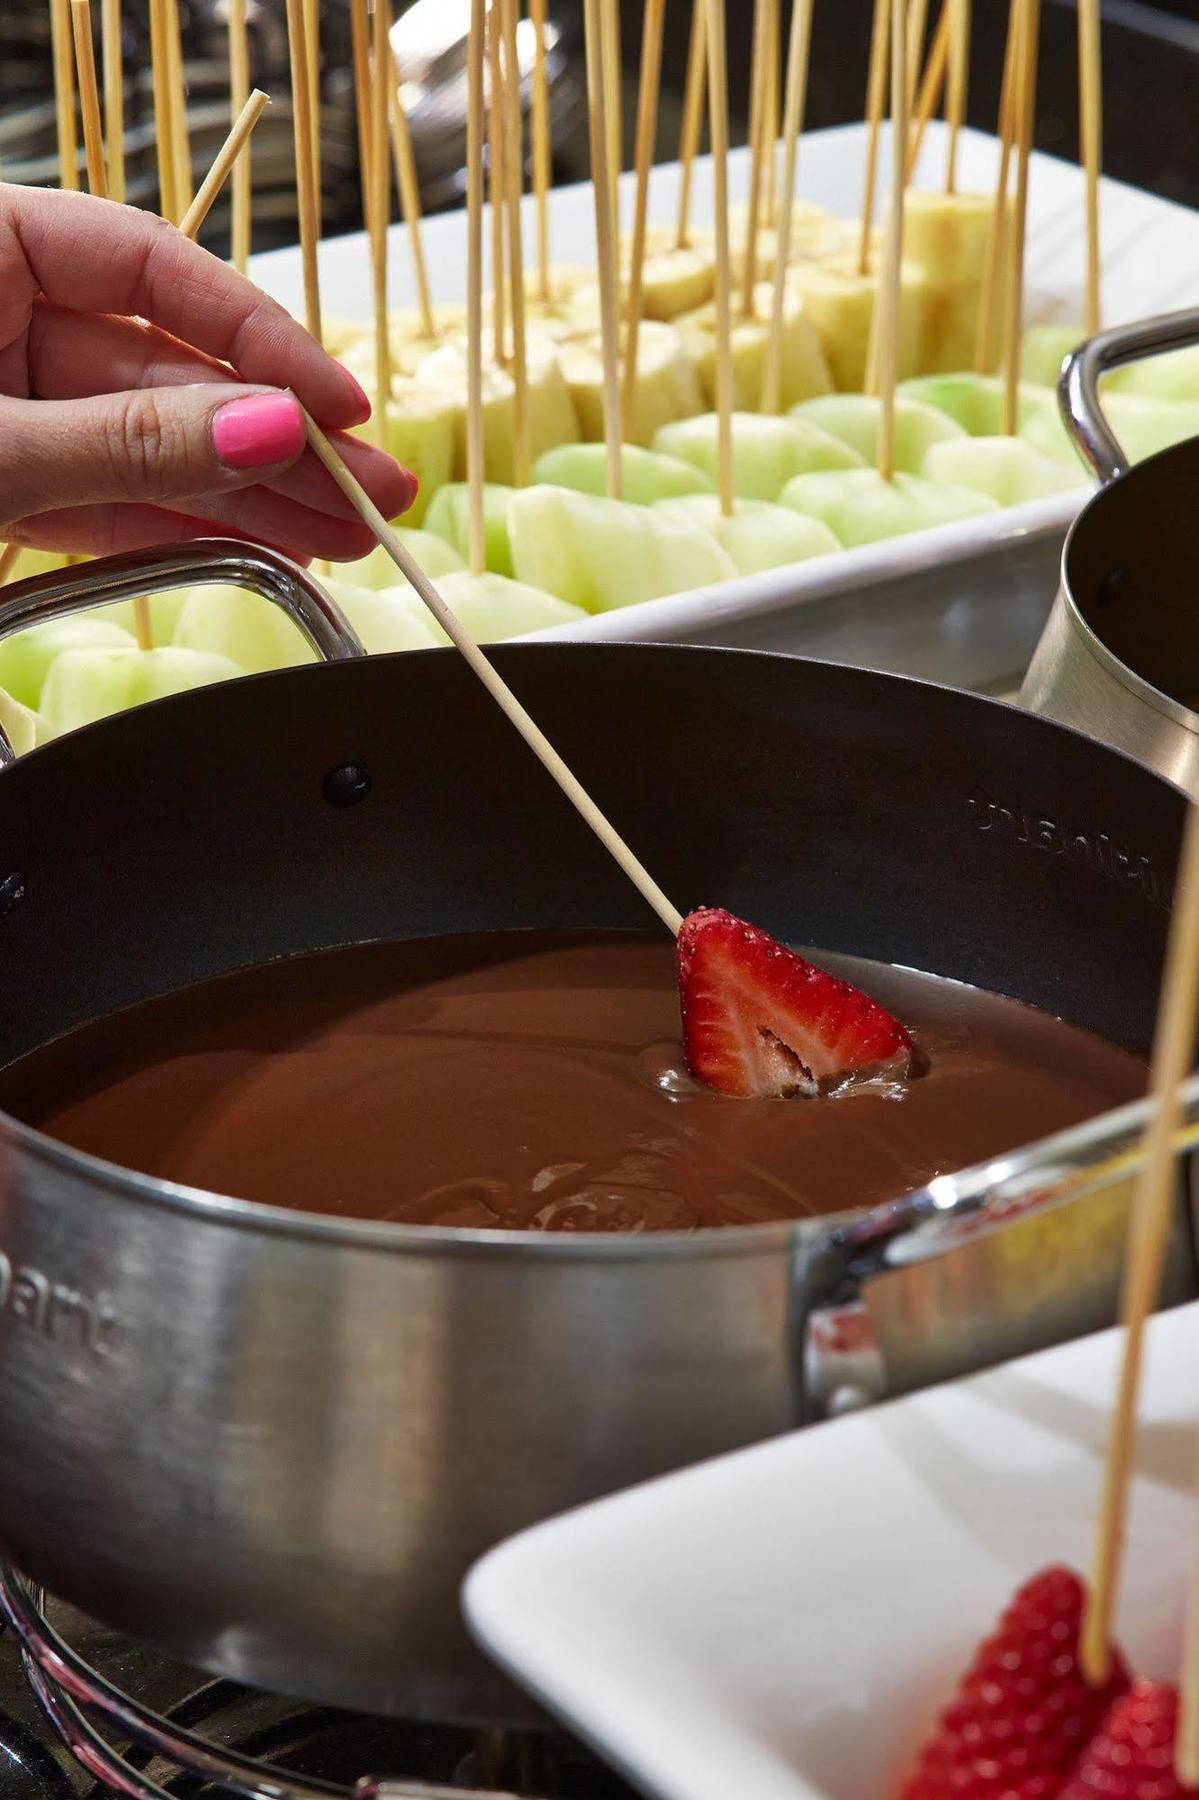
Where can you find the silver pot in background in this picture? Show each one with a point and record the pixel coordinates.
(1119, 656)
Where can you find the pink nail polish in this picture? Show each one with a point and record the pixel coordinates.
(257, 431)
(413, 490)
(360, 395)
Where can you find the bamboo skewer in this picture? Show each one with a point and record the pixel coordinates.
(770, 115)
(160, 76)
(382, 80)
(757, 146)
(114, 96)
(885, 324)
(647, 126)
(876, 90)
(917, 25)
(1014, 285)
(64, 94)
(89, 97)
(499, 690)
(540, 110)
(1186, 1741)
(312, 47)
(718, 113)
(798, 55)
(360, 57)
(226, 160)
(302, 129)
(239, 94)
(180, 144)
(606, 248)
(408, 184)
(513, 167)
(958, 83)
(476, 51)
(610, 33)
(1090, 94)
(999, 214)
(693, 118)
(932, 83)
(1173, 1047)
(495, 183)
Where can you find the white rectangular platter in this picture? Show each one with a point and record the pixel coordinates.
(784, 1623)
(962, 604)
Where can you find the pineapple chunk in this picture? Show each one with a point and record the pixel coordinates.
(759, 535)
(859, 507)
(667, 386)
(803, 370)
(854, 419)
(840, 305)
(600, 554)
(767, 451)
(947, 235)
(448, 518)
(551, 415)
(492, 607)
(646, 475)
(1009, 469)
(419, 432)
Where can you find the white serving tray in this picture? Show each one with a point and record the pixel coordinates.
(964, 603)
(784, 1623)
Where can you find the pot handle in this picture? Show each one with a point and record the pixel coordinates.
(1084, 368)
(201, 562)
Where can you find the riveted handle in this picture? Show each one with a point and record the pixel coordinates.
(1084, 368)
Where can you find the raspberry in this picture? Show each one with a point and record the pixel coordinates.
(1132, 1755)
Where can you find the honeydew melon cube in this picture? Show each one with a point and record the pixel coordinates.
(85, 685)
(859, 507)
(976, 403)
(855, 420)
(25, 728)
(840, 304)
(1174, 376)
(600, 554)
(646, 475)
(171, 670)
(27, 658)
(448, 518)
(164, 614)
(667, 385)
(421, 428)
(386, 619)
(551, 414)
(1144, 424)
(767, 451)
(377, 570)
(759, 535)
(492, 607)
(250, 631)
(803, 368)
(1010, 469)
(1044, 349)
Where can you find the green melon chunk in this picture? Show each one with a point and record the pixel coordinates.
(600, 554)
(646, 475)
(385, 619)
(767, 451)
(1009, 469)
(1144, 424)
(26, 659)
(854, 420)
(1044, 350)
(859, 507)
(760, 535)
(434, 555)
(493, 607)
(164, 614)
(85, 685)
(24, 727)
(448, 517)
(976, 403)
(249, 630)
(171, 670)
(1174, 376)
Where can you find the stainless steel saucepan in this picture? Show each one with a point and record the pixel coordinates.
(273, 1443)
(1119, 656)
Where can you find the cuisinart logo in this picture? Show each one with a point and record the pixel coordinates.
(55, 1311)
(1092, 848)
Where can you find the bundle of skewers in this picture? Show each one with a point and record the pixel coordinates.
(707, 401)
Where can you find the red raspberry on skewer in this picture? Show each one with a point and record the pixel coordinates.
(1131, 1757)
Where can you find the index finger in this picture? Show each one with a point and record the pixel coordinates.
(97, 256)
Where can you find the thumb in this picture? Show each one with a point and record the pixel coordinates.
(152, 444)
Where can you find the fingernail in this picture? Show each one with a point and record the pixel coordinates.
(257, 431)
(360, 396)
(413, 489)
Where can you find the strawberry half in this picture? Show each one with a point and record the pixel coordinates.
(1131, 1757)
(761, 1022)
(1023, 1712)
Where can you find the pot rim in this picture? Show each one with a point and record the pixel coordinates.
(1108, 661)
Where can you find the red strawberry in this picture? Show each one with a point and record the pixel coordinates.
(1132, 1755)
(1023, 1712)
(760, 1021)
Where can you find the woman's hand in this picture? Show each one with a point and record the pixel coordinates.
(148, 393)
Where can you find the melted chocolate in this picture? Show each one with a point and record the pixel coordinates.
(535, 1080)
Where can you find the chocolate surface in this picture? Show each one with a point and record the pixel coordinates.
(535, 1080)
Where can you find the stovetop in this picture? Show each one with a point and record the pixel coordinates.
(317, 1743)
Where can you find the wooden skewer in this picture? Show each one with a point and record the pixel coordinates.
(885, 324)
(917, 25)
(757, 145)
(931, 84)
(476, 52)
(64, 94)
(180, 140)
(495, 182)
(89, 97)
(647, 128)
(513, 169)
(876, 91)
(718, 113)
(163, 143)
(114, 96)
(410, 209)
(693, 118)
(1014, 286)
(499, 690)
(239, 94)
(605, 245)
(1090, 93)
(770, 114)
(225, 161)
(10, 556)
(302, 129)
(360, 57)
(312, 46)
(959, 78)
(798, 57)
(996, 239)
(1186, 1741)
(1152, 1210)
(613, 107)
(541, 147)
(382, 81)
